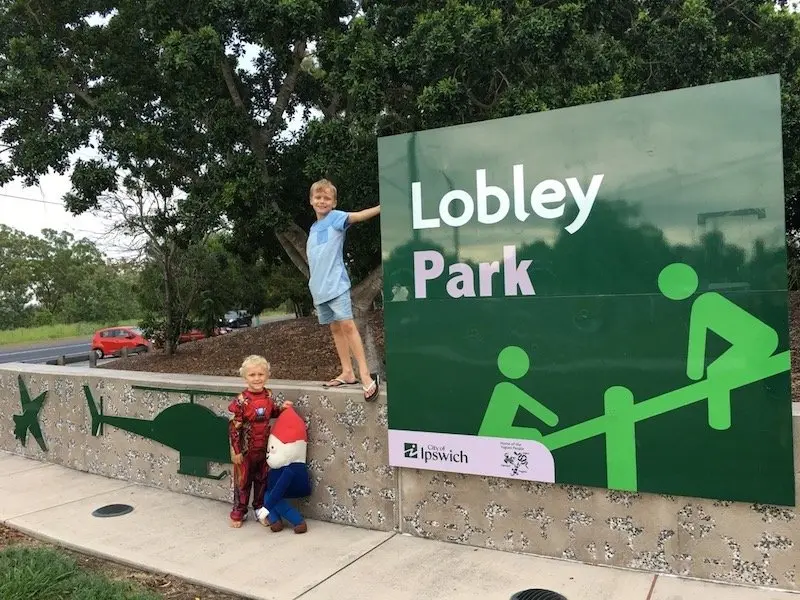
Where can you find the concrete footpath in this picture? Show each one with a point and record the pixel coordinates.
(190, 538)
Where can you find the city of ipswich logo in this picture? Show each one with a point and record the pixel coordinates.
(410, 450)
(434, 453)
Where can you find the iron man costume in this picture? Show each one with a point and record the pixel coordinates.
(249, 431)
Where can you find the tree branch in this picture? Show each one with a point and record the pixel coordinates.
(291, 237)
(83, 95)
(286, 91)
(293, 241)
(364, 293)
(330, 111)
(230, 82)
(73, 87)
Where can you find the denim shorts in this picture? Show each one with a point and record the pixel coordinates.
(337, 309)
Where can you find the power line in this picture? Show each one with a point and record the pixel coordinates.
(40, 201)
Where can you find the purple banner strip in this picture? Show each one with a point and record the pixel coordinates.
(495, 457)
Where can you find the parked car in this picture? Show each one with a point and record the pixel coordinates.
(197, 334)
(111, 340)
(237, 318)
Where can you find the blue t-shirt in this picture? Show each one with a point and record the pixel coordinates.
(325, 250)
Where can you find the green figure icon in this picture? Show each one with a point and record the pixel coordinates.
(507, 397)
(29, 419)
(752, 341)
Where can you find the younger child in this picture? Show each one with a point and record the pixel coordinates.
(330, 284)
(249, 431)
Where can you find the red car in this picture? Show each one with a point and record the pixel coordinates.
(197, 334)
(111, 340)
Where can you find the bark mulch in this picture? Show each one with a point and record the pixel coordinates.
(297, 349)
(302, 350)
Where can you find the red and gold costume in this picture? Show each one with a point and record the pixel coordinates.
(249, 431)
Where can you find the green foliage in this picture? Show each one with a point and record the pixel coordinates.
(47, 574)
(73, 282)
(207, 280)
(168, 97)
(16, 271)
(285, 285)
(160, 91)
(55, 279)
(406, 66)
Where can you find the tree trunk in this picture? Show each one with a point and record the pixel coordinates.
(363, 295)
(293, 241)
(374, 356)
(169, 322)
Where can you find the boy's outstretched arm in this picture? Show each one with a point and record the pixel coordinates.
(363, 215)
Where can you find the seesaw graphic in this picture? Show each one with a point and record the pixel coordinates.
(750, 358)
(199, 435)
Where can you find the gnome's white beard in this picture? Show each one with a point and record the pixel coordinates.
(280, 454)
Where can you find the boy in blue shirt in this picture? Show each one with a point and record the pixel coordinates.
(330, 284)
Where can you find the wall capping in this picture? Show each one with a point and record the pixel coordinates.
(177, 380)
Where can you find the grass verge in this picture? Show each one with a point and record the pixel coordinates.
(30, 573)
(25, 335)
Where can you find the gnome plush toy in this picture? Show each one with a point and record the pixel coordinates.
(288, 474)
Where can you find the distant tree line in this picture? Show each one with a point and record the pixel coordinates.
(54, 278)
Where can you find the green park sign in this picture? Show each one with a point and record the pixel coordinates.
(595, 295)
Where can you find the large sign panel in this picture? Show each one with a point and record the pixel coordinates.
(595, 295)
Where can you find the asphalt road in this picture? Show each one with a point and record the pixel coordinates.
(41, 352)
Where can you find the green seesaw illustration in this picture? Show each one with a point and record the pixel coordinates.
(199, 435)
(750, 358)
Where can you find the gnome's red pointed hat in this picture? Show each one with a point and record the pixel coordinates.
(288, 440)
(289, 427)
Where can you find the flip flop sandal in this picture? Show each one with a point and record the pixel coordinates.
(338, 383)
(371, 392)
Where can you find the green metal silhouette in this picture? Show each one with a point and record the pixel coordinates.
(752, 341)
(507, 397)
(194, 431)
(620, 439)
(29, 419)
(750, 359)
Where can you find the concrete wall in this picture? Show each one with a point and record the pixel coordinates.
(741, 543)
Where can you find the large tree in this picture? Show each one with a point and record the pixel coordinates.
(165, 93)
(54, 278)
(168, 95)
(16, 271)
(60, 265)
(410, 65)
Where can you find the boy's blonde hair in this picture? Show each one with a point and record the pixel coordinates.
(252, 361)
(322, 183)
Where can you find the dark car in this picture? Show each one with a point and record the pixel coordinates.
(236, 319)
